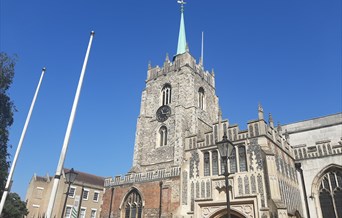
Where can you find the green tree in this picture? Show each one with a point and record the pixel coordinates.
(7, 109)
(14, 207)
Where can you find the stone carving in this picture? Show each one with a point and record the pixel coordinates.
(246, 181)
(255, 150)
(246, 210)
(194, 161)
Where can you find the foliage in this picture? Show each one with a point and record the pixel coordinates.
(7, 109)
(14, 207)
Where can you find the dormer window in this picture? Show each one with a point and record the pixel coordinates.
(166, 94)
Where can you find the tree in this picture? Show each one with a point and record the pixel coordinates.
(14, 207)
(7, 109)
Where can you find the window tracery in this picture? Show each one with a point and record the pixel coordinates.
(133, 205)
(166, 94)
(330, 194)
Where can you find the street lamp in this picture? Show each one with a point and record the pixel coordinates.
(225, 148)
(70, 177)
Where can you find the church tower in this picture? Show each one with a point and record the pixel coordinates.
(177, 169)
(178, 101)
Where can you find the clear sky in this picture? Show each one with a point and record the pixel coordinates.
(285, 54)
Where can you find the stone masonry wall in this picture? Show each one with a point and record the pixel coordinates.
(150, 193)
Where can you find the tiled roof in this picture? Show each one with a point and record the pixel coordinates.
(87, 178)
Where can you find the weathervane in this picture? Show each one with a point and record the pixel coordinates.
(182, 3)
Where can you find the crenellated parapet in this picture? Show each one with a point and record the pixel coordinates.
(149, 176)
(179, 61)
(255, 128)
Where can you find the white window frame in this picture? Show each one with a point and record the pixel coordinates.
(98, 196)
(66, 208)
(85, 212)
(86, 190)
(93, 209)
(73, 196)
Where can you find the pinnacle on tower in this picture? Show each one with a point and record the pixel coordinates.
(270, 120)
(182, 46)
(260, 112)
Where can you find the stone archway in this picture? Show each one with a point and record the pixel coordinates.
(223, 214)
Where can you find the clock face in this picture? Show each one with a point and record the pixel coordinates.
(163, 113)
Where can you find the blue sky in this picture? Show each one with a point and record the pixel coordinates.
(285, 54)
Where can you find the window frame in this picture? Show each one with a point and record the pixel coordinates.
(74, 192)
(85, 191)
(91, 211)
(98, 196)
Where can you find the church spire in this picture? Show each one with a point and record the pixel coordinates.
(181, 48)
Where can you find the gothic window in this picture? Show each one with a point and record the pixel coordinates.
(201, 98)
(162, 136)
(242, 159)
(206, 164)
(133, 205)
(232, 161)
(330, 194)
(215, 163)
(166, 94)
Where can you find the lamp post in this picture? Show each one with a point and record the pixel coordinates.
(225, 148)
(70, 177)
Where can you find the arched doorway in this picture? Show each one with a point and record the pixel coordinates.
(223, 214)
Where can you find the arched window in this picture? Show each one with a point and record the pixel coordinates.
(166, 94)
(206, 164)
(133, 205)
(162, 136)
(330, 194)
(201, 98)
(242, 159)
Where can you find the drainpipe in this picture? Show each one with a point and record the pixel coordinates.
(111, 201)
(80, 203)
(160, 197)
(299, 168)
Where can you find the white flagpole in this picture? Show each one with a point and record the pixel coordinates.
(68, 132)
(9, 179)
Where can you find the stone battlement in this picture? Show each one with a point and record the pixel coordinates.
(142, 177)
(180, 61)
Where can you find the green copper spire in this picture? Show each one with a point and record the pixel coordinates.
(181, 48)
